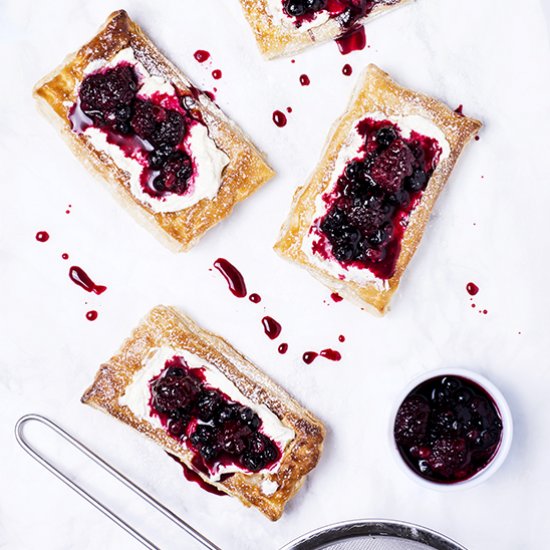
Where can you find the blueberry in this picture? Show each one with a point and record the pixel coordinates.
(381, 235)
(250, 418)
(158, 184)
(450, 383)
(174, 371)
(225, 413)
(386, 136)
(399, 198)
(176, 427)
(209, 452)
(315, 5)
(253, 462)
(202, 434)
(355, 171)
(270, 453)
(207, 405)
(417, 181)
(463, 395)
(295, 8)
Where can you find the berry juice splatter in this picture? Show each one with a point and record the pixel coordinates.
(279, 118)
(272, 328)
(79, 277)
(233, 276)
(201, 55)
(472, 289)
(354, 40)
(42, 236)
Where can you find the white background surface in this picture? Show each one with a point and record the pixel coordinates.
(490, 226)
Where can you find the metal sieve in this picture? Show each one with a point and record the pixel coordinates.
(373, 535)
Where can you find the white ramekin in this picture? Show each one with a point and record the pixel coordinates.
(505, 442)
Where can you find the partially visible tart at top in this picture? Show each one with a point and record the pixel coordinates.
(283, 27)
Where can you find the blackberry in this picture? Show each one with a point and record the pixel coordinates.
(207, 404)
(417, 181)
(411, 422)
(106, 91)
(393, 165)
(170, 393)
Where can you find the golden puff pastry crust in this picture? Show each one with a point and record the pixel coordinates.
(166, 326)
(375, 92)
(245, 173)
(276, 38)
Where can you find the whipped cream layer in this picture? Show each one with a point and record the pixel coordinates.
(137, 397)
(208, 160)
(351, 150)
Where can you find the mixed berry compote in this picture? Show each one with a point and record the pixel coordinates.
(448, 429)
(219, 430)
(366, 210)
(152, 130)
(347, 12)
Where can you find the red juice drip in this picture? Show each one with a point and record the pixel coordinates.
(304, 80)
(336, 297)
(271, 327)
(210, 95)
(279, 118)
(289, 109)
(79, 277)
(65, 256)
(191, 475)
(458, 110)
(341, 338)
(353, 40)
(201, 55)
(283, 348)
(217, 74)
(255, 298)
(331, 354)
(233, 277)
(472, 289)
(309, 357)
(91, 315)
(42, 236)
(347, 70)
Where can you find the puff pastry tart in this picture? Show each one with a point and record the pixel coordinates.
(207, 405)
(165, 149)
(283, 27)
(358, 221)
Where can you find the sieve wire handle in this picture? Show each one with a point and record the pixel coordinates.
(19, 435)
